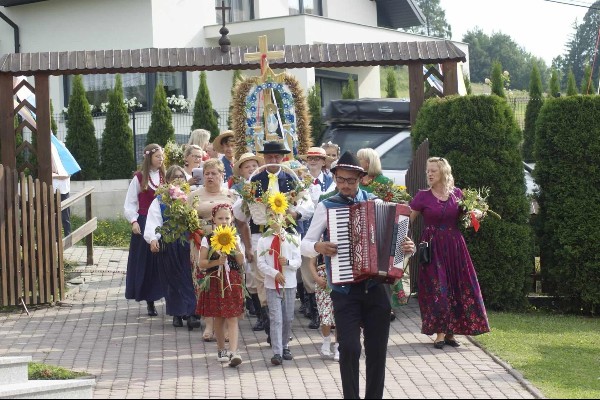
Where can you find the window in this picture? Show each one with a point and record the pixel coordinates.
(140, 86)
(241, 10)
(398, 157)
(314, 7)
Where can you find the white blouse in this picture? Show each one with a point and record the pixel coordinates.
(153, 221)
(131, 207)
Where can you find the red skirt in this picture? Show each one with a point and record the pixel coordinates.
(214, 303)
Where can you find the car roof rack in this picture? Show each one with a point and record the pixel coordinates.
(368, 111)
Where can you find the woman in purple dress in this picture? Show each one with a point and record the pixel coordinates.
(449, 294)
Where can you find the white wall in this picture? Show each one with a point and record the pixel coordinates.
(357, 11)
(181, 23)
(108, 198)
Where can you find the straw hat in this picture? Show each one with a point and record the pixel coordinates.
(217, 146)
(246, 157)
(315, 152)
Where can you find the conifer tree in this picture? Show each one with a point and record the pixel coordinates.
(314, 109)
(348, 92)
(571, 84)
(161, 121)
(554, 87)
(204, 116)
(53, 124)
(497, 79)
(391, 88)
(237, 77)
(587, 83)
(534, 106)
(116, 154)
(468, 84)
(81, 134)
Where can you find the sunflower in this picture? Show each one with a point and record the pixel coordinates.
(224, 239)
(278, 203)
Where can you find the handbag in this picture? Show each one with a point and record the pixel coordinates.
(424, 252)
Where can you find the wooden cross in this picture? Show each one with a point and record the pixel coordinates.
(223, 9)
(263, 52)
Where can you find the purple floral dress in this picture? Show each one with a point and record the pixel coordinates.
(449, 294)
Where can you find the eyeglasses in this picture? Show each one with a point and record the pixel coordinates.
(349, 181)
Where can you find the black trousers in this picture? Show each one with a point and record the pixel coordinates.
(369, 309)
(66, 216)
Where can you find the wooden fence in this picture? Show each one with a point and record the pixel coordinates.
(416, 179)
(31, 256)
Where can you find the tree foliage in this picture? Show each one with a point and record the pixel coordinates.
(161, 120)
(81, 134)
(391, 88)
(483, 150)
(204, 115)
(587, 83)
(497, 79)
(485, 49)
(534, 105)
(435, 20)
(571, 84)
(554, 86)
(348, 92)
(116, 154)
(314, 109)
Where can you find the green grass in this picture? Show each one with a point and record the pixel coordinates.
(39, 371)
(110, 232)
(559, 354)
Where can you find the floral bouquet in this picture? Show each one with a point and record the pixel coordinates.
(475, 207)
(401, 290)
(181, 220)
(391, 193)
(173, 154)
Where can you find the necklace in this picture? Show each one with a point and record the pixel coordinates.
(160, 180)
(436, 194)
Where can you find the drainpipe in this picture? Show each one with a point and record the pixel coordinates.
(15, 28)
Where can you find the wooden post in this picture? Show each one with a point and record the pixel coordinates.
(416, 88)
(7, 122)
(450, 70)
(42, 99)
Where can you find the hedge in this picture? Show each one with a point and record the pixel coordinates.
(480, 138)
(567, 150)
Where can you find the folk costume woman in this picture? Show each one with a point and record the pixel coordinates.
(173, 260)
(142, 280)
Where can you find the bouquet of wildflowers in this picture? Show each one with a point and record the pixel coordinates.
(391, 192)
(181, 220)
(475, 207)
(173, 154)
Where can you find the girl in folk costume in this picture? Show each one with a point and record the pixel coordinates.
(222, 294)
(142, 280)
(173, 259)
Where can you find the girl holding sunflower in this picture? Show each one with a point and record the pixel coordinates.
(222, 294)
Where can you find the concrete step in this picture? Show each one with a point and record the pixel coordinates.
(63, 389)
(13, 370)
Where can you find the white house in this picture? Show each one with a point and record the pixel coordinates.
(66, 25)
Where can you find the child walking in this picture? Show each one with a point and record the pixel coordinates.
(279, 259)
(222, 259)
(142, 280)
(324, 306)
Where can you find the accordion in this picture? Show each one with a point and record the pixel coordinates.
(369, 236)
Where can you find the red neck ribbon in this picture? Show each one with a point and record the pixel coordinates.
(276, 251)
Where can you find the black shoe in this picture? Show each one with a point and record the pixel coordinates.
(276, 360)
(269, 340)
(287, 355)
(314, 323)
(392, 316)
(439, 345)
(151, 309)
(177, 322)
(259, 326)
(451, 342)
(193, 322)
(250, 306)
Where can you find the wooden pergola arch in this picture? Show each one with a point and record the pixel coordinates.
(42, 65)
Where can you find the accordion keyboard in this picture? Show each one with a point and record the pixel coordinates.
(339, 232)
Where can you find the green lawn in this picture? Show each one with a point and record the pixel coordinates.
(39, 371)
(110, 232)
(559, 354)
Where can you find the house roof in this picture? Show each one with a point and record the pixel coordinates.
(398, 14)
(212, 58)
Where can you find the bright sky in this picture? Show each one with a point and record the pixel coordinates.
(541, 27)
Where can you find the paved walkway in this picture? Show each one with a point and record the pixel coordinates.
(135, 356)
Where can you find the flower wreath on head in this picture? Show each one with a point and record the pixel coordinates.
(154, 150)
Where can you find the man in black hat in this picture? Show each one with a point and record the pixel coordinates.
(364, 304)
(276, 179)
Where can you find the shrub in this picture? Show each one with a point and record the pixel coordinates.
(314, 109)
(480, 138)
(161, 121)
(81, 134)
(531, 112)
(497, 79)
(116, 154)
(567, 150)
(587, 83)
(204, 116)
(571, 84)
(554, 87)
(391, 88)
(348, 92)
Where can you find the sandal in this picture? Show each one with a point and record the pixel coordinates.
(208, 337)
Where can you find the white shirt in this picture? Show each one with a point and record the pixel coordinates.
(317, 227)
(130, 209)
(266, 262)
(153, 221)
(62, 185)
(316, 189)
